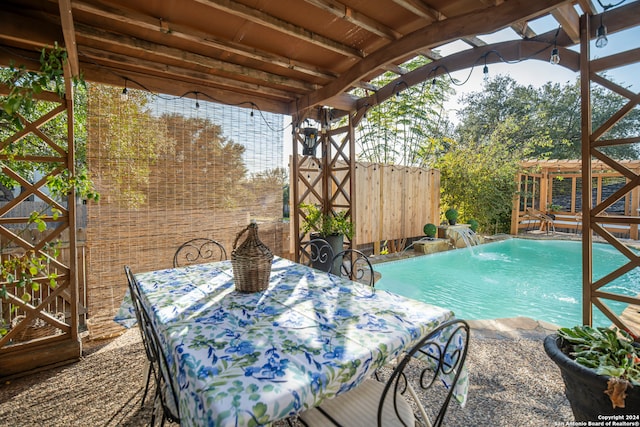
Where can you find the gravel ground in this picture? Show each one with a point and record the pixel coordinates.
(512, 383)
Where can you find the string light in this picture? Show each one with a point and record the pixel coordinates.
(124, 96)
(601, 34)
(555, 55)
(398, 90)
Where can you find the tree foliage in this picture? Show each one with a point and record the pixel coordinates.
(405, 128)
(549, 117)
(128, 133)
(478, 178)
(506, 123)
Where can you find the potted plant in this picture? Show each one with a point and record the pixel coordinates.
(600, 368)
(473, 225)
(332, 227)
(430, 230)
(452, 215)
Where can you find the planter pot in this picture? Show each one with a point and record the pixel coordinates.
(452, 221)
(336, 241)
(585, 389)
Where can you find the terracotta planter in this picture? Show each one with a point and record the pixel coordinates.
(585, 389)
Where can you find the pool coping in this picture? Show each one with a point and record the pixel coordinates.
(511, 328)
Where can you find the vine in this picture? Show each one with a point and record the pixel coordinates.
(30, 270)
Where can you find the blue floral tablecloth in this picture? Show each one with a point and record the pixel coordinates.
(250, 359)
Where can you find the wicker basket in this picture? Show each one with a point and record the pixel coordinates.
(251, 262)
(37, 328)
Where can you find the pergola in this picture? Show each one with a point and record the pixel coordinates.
(542, 183)
(303, 58)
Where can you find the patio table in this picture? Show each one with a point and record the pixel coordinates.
(254, 358)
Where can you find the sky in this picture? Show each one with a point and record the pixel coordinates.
(531, 72)
(536, 72)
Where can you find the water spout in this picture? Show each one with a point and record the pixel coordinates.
(468, 236)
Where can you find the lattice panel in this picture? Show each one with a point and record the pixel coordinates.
(39, 300)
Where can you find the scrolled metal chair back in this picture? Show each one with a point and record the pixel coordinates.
(317, 253)
(198, 251)
(355, 266)
(440, 354)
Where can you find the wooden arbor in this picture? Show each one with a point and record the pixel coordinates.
(555, 187)
(43, 316)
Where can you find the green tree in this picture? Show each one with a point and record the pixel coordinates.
(128, 132)
(478, 178)
(405, 128)
(549, 117)
(209, 159)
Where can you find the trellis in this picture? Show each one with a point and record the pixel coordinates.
(593, 214)
(44, 330)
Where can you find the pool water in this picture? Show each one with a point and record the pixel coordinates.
(541, 279)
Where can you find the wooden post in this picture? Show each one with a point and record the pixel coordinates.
(585, 113)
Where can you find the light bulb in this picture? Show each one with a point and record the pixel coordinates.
(555, 56)
(601, 36)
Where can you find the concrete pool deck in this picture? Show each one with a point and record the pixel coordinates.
(511, 328)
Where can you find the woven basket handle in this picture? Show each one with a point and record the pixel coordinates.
(240, 234)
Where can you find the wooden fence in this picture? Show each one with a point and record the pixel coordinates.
(392, 203)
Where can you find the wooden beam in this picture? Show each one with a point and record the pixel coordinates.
(421, 9)
(615, 60)
(355, 17)
(523, 30)
(567, 16)
(115, 61)
(204, 39)
(257, 17)
(587, 183)
(66, 17)
(478, 22)
(587, 7)
(474, 41)
(168, 55)
(29, 32)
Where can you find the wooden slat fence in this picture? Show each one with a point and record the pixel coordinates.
(392, 202)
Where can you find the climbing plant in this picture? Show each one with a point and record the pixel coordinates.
(25, 159)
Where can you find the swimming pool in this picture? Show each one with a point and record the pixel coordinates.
(541, 279)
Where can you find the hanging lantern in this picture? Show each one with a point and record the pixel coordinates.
(310, 141)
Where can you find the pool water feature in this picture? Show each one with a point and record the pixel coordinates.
(541, 279)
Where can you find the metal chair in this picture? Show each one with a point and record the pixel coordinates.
(166, 392)
(317, 253)
(198, 251)
(355, 266)
(407, 397)
(135, 298)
